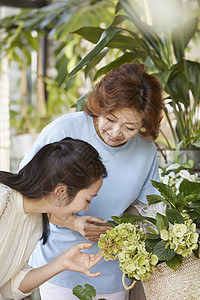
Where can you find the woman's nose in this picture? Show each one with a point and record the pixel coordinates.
(116, 130)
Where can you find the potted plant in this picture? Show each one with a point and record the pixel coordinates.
(166, 250)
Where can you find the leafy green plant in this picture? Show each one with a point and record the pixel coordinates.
(165, 238)
(138, 36)
(26, 32)
(170, 237)
(86, 293)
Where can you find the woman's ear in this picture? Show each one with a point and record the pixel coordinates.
(60, 191)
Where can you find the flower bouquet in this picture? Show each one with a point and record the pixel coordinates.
(164, 252)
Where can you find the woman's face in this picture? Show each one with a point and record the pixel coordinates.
(80, 202)
(119, 126)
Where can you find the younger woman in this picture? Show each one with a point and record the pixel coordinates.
(61, 179)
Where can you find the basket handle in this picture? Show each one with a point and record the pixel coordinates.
(124, 283)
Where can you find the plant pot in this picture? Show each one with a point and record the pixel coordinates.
(165, 283)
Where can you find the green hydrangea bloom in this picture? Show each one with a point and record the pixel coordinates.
(126, 242)
(182, 238)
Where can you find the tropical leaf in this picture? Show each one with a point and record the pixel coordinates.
(181, 35)
(91, 65)
(89, 33)
(126, 57)
(148, 33)
(105, 38)
(81, 102)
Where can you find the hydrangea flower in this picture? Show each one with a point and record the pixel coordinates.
(126, 242)
(183, 238)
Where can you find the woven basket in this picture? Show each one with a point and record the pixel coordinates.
(167, 284)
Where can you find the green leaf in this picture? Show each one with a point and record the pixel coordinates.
(166, 191)
(84, 294)
(92, 64)
(151, 236)
(162, 252)
(89, 33)
(147, 31)
(116, 219)
(191, 198)
(196, 220)
(162, 222)
(130, 218)
(179, 91)
(152, 199)
(81, 102)
(108, 35)
(150, 229)
(174, 216)
(112, 224)
(181, 36)
(189, 188)
(196, 207)
(175, 262)
(150, 244)
(196, 252)
(125, 43)
(127, 57)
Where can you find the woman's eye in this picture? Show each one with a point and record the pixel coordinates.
(110, 120)
(88, 201)
(131, 129)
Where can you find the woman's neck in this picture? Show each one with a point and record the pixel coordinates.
(33, 206)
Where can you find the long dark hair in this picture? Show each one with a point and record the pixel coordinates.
(70, 161)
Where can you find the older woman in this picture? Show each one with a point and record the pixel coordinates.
(121, 119)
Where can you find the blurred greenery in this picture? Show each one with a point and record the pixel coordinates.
(156, 33)
(24, 33)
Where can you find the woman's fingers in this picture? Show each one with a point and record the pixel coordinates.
(82, 246)
(90, 274)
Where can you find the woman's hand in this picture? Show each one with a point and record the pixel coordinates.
(87, 227)
(75, 260)
(72, 259)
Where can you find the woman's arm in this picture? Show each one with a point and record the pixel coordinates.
(72, 260)
(85, 225)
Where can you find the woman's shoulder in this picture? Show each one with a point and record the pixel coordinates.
(66, 121)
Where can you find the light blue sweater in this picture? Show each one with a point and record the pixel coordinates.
(130, 168)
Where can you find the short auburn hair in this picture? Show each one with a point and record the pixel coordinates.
(129, 86)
